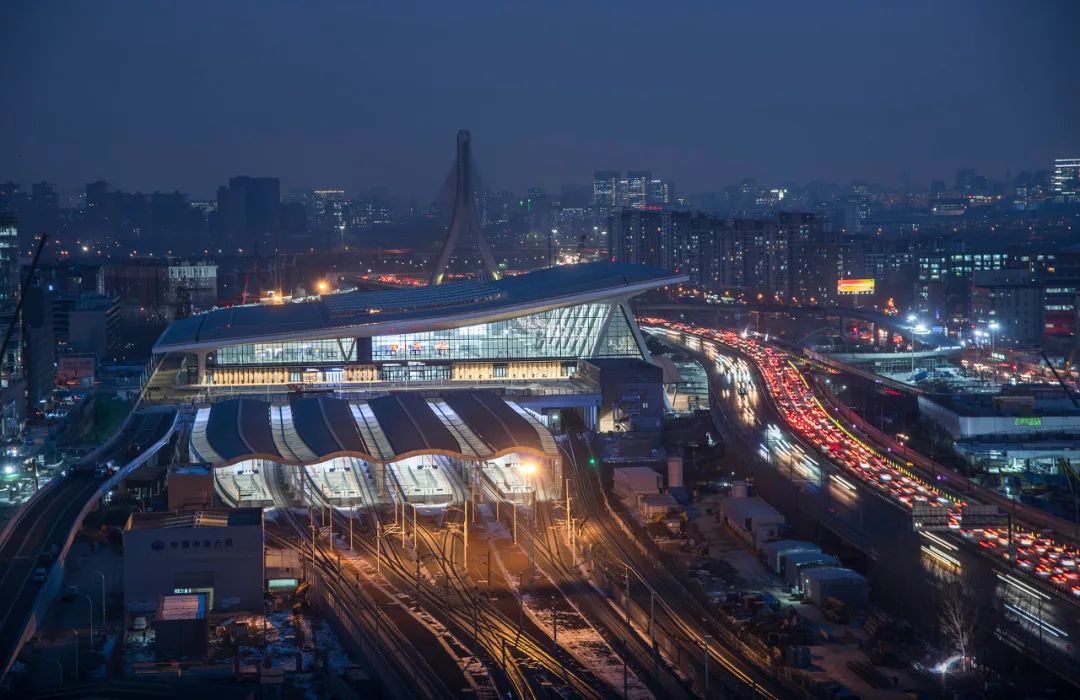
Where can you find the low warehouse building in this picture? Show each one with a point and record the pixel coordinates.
(752, 519)
(845, 585)
(216, 552)
(776, 551)
(796, 563)
(629, 483)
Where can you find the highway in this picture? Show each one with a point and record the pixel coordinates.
(1040, 603)
(48, 524)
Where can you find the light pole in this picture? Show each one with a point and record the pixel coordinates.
(903, 438)
(89, 609)
(994, 325)
(707, 638)
(102, 575)
(76, 653)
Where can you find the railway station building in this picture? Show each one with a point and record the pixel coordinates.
(537, 325)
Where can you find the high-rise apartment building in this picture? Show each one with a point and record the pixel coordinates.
(249, 208)
(1066, 180)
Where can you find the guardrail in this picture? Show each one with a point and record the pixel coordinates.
(851, 369)
(1025, 514)
(90, 457)
(47, 594)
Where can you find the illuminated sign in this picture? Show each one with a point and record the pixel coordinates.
(1028, 420)
(855, 286)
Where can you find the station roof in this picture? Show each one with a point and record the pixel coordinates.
(313, 429)
(358, 313)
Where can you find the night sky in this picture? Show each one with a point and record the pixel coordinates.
(162, 95)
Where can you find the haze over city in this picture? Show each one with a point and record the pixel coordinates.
(351, 95)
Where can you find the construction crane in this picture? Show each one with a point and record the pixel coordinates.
(22, 294)
(1068, 391)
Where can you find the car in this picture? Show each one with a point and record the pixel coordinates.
(39, 575)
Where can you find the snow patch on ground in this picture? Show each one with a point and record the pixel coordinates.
(578, 637)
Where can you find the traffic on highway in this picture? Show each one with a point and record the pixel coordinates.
(1035, 554)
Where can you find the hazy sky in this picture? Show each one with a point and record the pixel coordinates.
(162, 95)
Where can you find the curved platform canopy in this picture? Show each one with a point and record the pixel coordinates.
(450, 305)
(471, 425)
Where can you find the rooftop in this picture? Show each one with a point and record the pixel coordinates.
(822, 573)
(973, 405)
(313, 429)
(450, 304)
(214, 517)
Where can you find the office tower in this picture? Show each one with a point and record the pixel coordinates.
(1066, 180)
(635, 189)
(1010, 302)
(9, 259)
(328, 209)
(659, 192)
(605, 189)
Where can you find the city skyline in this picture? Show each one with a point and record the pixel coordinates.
(345, 99)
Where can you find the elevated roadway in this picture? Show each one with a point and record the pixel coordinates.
(1031, 615)
(46, 525)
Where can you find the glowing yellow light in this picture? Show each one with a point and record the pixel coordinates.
(528, 468)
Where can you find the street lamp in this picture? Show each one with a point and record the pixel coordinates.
(903, 438)
(994, 325)
(89, 609)
(76, 653)
(707, 638)
(99, 573)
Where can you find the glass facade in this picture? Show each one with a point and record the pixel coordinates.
(576, 332)
(288, 353)
(588, 330)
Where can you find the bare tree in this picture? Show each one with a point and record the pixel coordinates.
(957, 618)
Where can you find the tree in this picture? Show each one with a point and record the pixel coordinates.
(957, 618)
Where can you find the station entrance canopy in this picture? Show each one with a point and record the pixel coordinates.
(472, 425)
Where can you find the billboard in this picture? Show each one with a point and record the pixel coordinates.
(855, 286)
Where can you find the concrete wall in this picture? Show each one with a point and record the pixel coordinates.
(234, 563)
